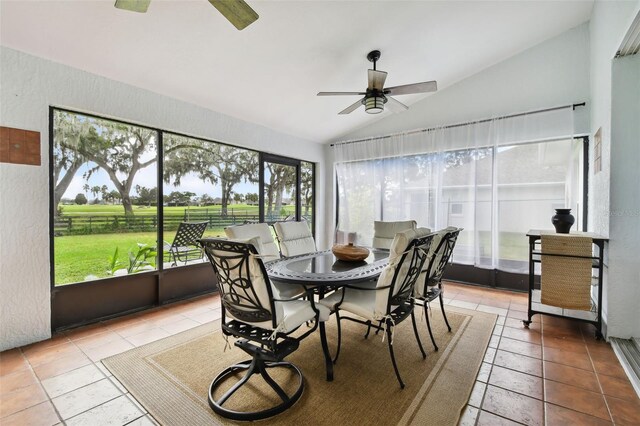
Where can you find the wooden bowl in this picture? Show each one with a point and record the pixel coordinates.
(349, 252)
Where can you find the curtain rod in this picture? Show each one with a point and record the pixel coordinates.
(451, 126)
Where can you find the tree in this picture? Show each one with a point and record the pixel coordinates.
(206, 200)
(95, 190)
(146, 195)
(251, 198)
(66, 162)
(306, 186)
(81, 199)
(238, 198)
(281, 178)
(212, 162)
(121, 150)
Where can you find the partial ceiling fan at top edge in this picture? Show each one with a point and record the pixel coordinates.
(238, 12)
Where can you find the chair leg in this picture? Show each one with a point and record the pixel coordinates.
(368, 329)
(443, 312)
(393, 358)
(335, 359)
(426, 315)
(415, 331)
(255, 366)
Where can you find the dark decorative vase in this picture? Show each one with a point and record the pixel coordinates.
(563, 220)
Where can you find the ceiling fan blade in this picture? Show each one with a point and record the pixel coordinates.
(352, 107)
(376, 79)
(340, 93)
(395, 105)
(133, 5)
(236, 11)
(427, 86)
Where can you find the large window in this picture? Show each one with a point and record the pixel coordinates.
(496, 194)
(108, 198)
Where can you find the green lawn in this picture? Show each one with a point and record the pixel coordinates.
(78, 256)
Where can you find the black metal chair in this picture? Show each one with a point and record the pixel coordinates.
(430, 288)
(261, 323)
(389, 301)
(185, 244)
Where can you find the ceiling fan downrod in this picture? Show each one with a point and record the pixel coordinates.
(373, 56)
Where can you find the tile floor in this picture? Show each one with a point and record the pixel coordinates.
(554, 373)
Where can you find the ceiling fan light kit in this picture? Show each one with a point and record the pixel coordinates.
(376, 96)
(374, 104)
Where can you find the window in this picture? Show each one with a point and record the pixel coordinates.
(107, 197)
(105, 193)
(495, 194)
(455, 209)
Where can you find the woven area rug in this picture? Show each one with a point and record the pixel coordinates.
(171, 377)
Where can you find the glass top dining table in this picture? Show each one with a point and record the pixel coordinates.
(324, 269)
(324, 272)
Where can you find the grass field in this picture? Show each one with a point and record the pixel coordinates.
(78, 256)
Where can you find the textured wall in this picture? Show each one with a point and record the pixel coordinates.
(608, 26)
(28, 86)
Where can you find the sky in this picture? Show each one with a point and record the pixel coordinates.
(147, 178)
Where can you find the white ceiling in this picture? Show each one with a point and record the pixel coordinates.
(270, 72)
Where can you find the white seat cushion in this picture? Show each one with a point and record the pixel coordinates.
(295, 238)
(385, 232)
(269, 250)
(292, 314)
(359, 302)
(372, 304)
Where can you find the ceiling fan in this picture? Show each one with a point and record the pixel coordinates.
(236, 11)
(376, 95)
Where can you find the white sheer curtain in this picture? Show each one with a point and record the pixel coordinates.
(496, 179)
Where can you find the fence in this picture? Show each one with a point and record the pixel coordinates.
(106, 224)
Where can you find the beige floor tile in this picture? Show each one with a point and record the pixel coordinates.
(80, 400)
(118, 411)
(109, 349)
(67, 382)
(147, 337)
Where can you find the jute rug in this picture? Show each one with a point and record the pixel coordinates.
(171, 377)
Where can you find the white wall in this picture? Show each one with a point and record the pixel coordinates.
(553, 73)
(624, 221)
(608, 26)
(28, 86)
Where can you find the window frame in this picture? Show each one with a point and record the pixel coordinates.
(160, 270)
(499, 278)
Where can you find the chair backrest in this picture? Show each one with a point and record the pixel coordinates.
(385, 232)
(407, 255)
(294, 238)
(441, 255)
(245, 289)
(189, 233)
(268, 248)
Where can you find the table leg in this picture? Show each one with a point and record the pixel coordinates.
(325, 349)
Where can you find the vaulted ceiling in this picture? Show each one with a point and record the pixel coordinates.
(270, 72)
